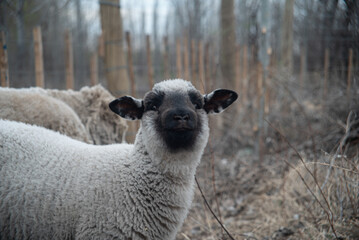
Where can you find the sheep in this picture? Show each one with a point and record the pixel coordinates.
(54, 187)
(91, 105)
(28, 106)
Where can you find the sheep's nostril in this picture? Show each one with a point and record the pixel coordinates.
(184, 117)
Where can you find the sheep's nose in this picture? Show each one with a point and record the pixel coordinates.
(184, 117)
(179, 119)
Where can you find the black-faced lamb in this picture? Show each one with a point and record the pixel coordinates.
(54, 187)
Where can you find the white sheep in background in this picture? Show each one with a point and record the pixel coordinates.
(91, 105)
(54, 187)
(28, 106)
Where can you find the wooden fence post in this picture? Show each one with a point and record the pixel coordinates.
(245, 73)
(350, 64)
(39, 62)
(69, 61)
(214, 68)
(259, 83)
(165, 58)
(186, 58)
(149, 61)
(133, 126)
(207, 68)
(302, 73)
(101, 46)
(267, 100)
(130, 64)
(237, 69)
(252, 71)
(178, 58)
(326, 68)
(4, 66)
(193, 60)
(201, 77)
(94, 69)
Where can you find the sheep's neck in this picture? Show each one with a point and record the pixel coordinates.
(180, 166)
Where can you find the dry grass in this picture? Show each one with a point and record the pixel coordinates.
(305, 188)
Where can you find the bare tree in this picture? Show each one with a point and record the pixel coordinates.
(79, 50)
(287, 37)
(155, 27)
(16, 9)
(228, 42)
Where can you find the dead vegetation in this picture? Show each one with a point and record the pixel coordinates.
(306, 187)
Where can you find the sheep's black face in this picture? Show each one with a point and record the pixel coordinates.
(177, 122)
(173, 112)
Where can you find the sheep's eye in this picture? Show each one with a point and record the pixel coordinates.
(152, 106)
(153, 101)
(198, 105)
(196, 100)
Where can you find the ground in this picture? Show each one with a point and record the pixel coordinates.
(304, 187)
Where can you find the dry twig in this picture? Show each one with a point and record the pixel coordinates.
(214, 215)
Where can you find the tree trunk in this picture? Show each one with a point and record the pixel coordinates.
(115, 65)
(79, 50)
(20, 44)
(287, 37)
(228, 43)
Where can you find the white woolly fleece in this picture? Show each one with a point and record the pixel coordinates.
(29, 105)
(65, 111)
(175, 85)
(54, 187)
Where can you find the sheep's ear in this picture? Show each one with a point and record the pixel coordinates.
(218, 100)
(127, 107)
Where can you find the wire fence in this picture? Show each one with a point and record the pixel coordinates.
(189, 59)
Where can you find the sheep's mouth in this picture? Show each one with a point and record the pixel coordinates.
(181, 129)
(180, 138)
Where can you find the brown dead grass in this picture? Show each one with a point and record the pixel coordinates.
(271, 199)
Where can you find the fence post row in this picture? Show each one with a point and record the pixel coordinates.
(39, 64)
(200, 59)
(4, 66)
